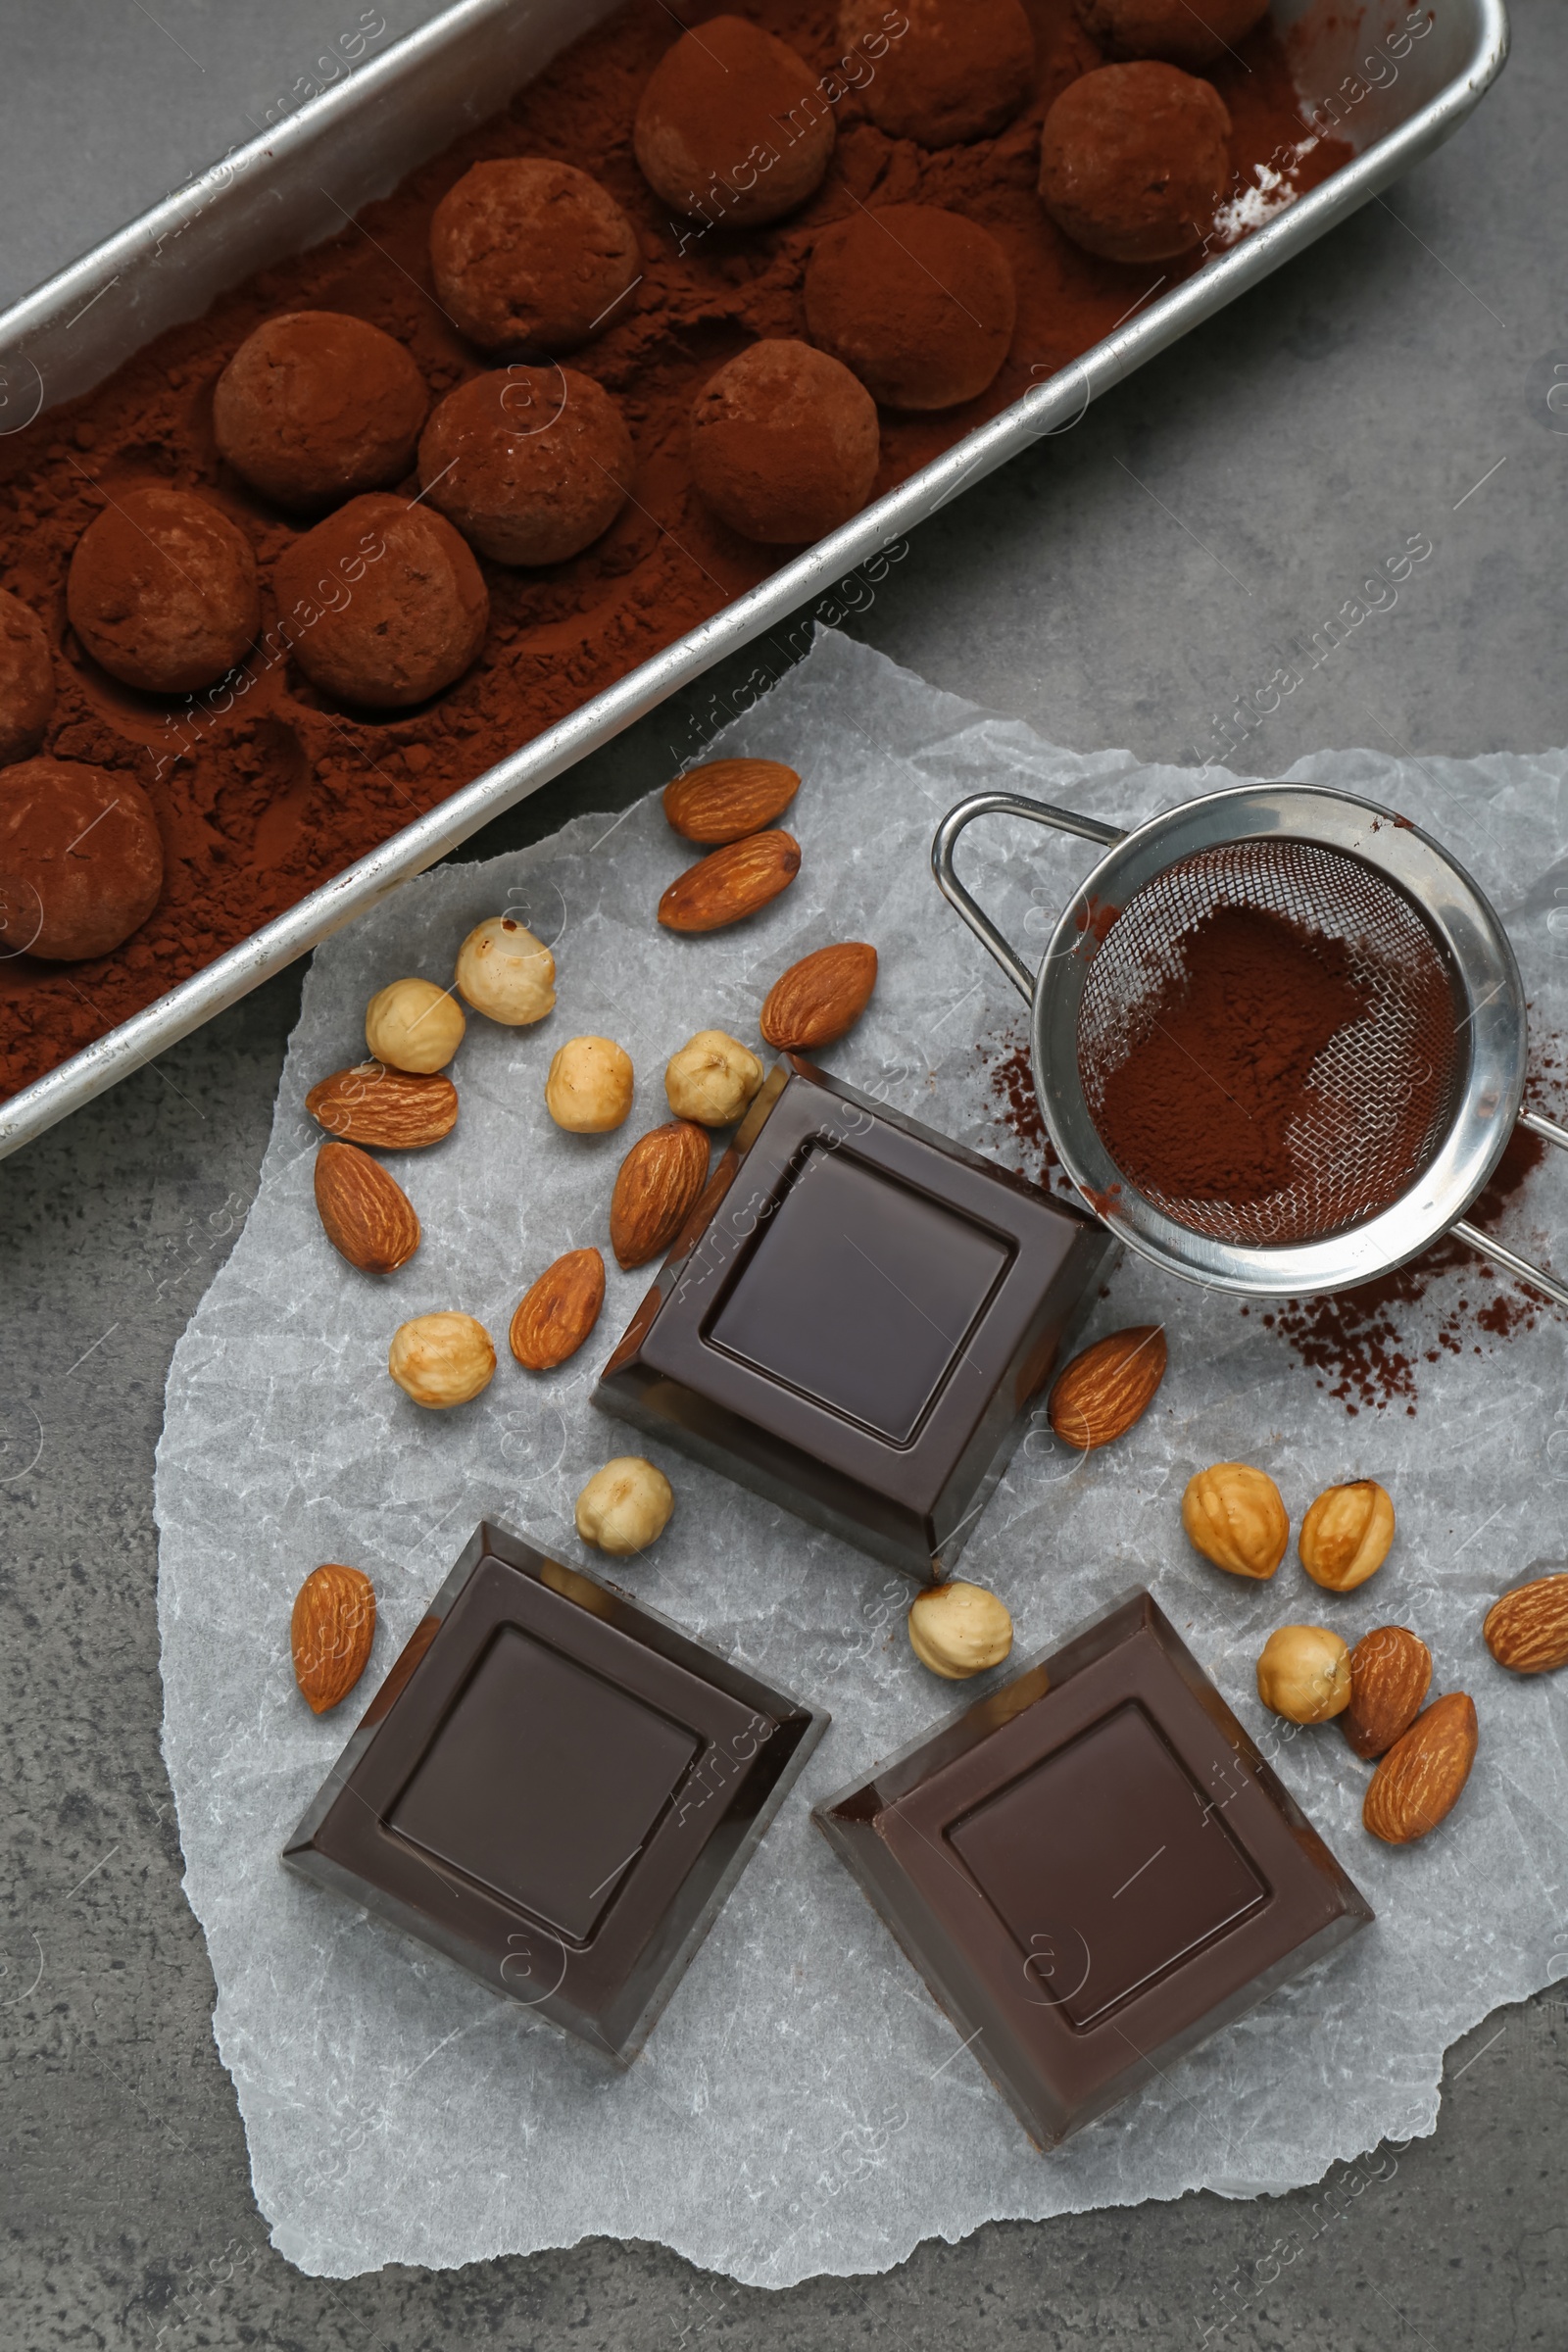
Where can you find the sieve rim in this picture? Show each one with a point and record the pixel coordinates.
(1473, 946)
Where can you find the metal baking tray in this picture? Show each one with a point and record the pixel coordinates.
(1391, 80)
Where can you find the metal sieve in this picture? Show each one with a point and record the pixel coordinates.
(1407, 1108)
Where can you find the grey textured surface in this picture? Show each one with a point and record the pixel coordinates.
(1352, 401)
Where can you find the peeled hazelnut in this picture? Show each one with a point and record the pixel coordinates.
(957, 1630)
(588, 1090)
(712, 1079)
(441, 1360)
(414, 1025)
(1235, 1517)
(506, 973)
(1345, 1535)
(1304, 1673)
(624, 1505)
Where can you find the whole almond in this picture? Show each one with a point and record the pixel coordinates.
(1527, 1630)
(818, 1000)
(660, 1179)
(1417, 1785)
(559, 1311)
(725, 800)
(730, 883)
(1391, 1673)
(331, 1633)
(367, 1216)
(1102, 1392)
(390, 1108)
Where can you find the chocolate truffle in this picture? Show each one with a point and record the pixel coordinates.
(785, 443)
(1133, 160)
(531, 253)
(382, 603)
(81, 863)
(162, 591)
(316, 405)
(26, 679)
(732, 126)
(960, 70)
(531, 463)
(1173, 30)
(918, 302)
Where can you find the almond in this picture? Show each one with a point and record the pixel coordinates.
(730, 883)
(1102, 1392)
(1391, 1673)
(1527, 1630)
(559, 1311)
(727, 798)
(331, 1632)
(660, 1178)
(367, 1216)
(1417, 1785)
(372, 1105)
(818, 1000)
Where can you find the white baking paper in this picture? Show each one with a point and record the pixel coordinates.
(802, 2105)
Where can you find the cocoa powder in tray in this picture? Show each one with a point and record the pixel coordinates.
(263, 797)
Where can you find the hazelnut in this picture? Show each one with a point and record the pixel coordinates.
(1235, 1517)
(506, 973)
(1345, 1535)
(1304, 1673)
(712, 1079)
(588, 1090)
(624, 1505)
(441, 1360)
(412, 1025)
(957, 1630)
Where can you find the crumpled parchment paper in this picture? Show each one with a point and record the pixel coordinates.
(802, 2105)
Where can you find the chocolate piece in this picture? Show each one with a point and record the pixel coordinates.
(81, 860)
(531, 253)
(855, 1318)
(1132, 161)
(162, 590)
(944, 70)
(531, 463)
(785, 443)
(1093, 1868)
(1172, 29)
(558, 1789)
(919, 302)
(382, 604)
(317, 406)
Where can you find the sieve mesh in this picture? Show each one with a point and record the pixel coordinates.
(1379, 1095)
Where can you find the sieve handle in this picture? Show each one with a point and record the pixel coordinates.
(1521, 1267)
(1005, 804)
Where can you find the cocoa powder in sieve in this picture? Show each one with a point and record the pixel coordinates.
(267, 787)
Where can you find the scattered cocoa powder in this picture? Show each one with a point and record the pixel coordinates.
(265, 790)
(1367, 1347)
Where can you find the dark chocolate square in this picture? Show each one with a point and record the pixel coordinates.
(857, 1319)
(1093, 1868)
(557, 1788)
(861, 1293)
(529, 1719)
(1129, 1891)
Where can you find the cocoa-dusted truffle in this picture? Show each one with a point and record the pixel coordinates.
(382, 603)
(784, 443)
(732, 128)
(960, 70)
(1133, 160)
(531, 253)
(918, 302)
(162, 591)
(531, 463)
(316, 405)
(26, 678)
(82, 862)
(1175, 30)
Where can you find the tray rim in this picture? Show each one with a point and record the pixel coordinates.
(1052, 407)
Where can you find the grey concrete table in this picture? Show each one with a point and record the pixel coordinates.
(1136, 582)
